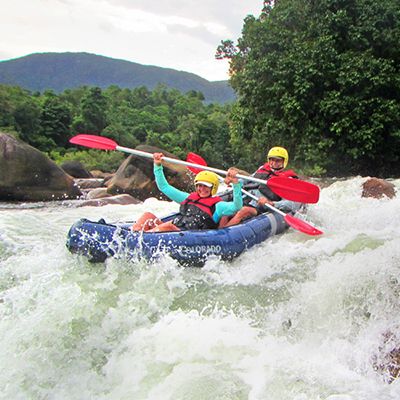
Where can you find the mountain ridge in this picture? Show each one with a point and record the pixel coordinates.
(68, 70)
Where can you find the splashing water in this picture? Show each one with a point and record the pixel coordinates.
(297, 317)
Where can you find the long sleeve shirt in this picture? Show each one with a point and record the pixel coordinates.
(222, 208)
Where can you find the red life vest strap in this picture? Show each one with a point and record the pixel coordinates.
(206, 204)
(266, 169)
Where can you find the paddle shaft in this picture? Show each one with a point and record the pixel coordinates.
(188, 164)
(285, 187)
(266, 204)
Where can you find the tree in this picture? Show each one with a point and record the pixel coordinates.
(7, 107)
(19, 112)
(27, 120)
(322, 79)
(55, 123)
(93, 111)
(215, 134)
(164, 117)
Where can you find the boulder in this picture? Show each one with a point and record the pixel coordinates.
(26, 174)
(75, 169)
(378, 188)
(121, 199)
(135, 176)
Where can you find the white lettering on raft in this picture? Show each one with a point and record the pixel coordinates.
(187, 250)
(203, 249)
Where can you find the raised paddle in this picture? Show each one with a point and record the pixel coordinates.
(292, 221)
(288, 188)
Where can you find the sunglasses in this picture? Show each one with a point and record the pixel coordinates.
(200, 185)
(275, 159)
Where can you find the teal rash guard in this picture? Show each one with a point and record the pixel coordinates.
(222, 208)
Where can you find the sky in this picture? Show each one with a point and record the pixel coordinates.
(178, 34)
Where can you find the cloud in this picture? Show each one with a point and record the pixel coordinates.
(222, 12)
(228, 14)
(179, 34)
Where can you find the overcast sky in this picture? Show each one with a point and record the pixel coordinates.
(178, 34)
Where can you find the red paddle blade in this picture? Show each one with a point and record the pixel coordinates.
(94, 142)
(195, 159)
(302, 226)
(294, 189)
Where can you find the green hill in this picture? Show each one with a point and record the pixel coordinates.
(60, 71)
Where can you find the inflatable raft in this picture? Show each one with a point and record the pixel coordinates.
(100, 240)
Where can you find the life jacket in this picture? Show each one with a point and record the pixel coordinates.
(265, 172)
(196, 212)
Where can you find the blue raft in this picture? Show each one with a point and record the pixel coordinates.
(100, 240)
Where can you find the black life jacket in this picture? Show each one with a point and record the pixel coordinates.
(197, 212)
(265, 172)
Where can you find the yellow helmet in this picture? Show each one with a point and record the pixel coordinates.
(209, 179)
(279, 152)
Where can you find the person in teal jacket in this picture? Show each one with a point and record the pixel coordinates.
(201, 209)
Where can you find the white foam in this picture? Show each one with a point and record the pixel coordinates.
(297, 317)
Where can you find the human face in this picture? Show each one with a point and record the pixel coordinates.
(276, 162)
(202, 190)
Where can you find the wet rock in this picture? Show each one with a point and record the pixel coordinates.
(26, 174)
(121, 199)
(387, 361)
(106, 176)
(89, 183)
(98, 193)
(135, 176)
(75, 169)
(378, 188)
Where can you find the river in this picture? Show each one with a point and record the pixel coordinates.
(298, 317)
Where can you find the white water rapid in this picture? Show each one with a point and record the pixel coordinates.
(298, 317)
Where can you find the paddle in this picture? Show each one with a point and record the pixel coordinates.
(288, 188)
(292, 221)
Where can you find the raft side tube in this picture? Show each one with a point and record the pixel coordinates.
(99, 240)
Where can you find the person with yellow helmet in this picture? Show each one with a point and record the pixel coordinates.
(201, 209)
(277, 161)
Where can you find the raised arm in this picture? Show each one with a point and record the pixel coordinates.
(171, 192)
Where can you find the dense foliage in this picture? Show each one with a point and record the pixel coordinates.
(320, 77)
(176, 122)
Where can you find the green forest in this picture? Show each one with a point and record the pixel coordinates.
(320, 78)
(163, 117)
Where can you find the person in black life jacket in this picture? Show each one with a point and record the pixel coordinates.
(201, 209)
(277, 160)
